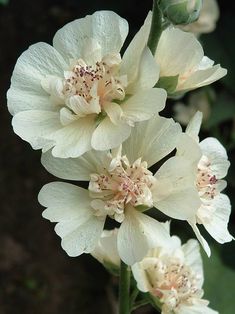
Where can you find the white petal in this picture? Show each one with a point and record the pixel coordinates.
(114, 111)
(32, 66)
(193, 258)
(152, 140)
(203, 77)
(132, 55)
(218, 226)
(64, 201)
(200, 238)
(188, 148)
(144, 104)
(108, 135)
(84, 238)
(34, 125)
(74, 139)
(137, 234)
(194, 125)
(217, 155)
(78, 169)
(148, 73)
(106, 27)
(177, 52)
(140, 277)
(174, 193)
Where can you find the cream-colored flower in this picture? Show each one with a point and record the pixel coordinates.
(210, 165)
(79, 93)
(121, 187)
(183, 66)
(174, 276)
(206, 23)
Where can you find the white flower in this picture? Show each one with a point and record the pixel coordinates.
(174, 276)
(206, 23)
(121, 187)
(79, 93)
(210, 165)
(183, 66)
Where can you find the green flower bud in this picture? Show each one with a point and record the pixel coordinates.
(181, 11)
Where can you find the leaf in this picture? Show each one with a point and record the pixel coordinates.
(219, 285)
(4, 2)
(169, 83)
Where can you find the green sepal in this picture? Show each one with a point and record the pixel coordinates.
(169, 83)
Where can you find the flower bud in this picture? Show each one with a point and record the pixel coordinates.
(181, 11)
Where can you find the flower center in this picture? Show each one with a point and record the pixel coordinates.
(173, 282)
(120, 185)
(206, 180)
(86, 88)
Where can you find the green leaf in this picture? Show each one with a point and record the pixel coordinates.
(219, 285)
(169, 83)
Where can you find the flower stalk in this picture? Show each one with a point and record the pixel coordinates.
(124, 289)
(156, 27)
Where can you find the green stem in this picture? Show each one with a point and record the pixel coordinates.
(124, 289)
(139, 304)
(133, 297)
(156, 27)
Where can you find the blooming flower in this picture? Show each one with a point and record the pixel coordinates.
(210, 165)
(79, 93)
(206, 22)
(174, 276)
(121, 187)
(183, 66)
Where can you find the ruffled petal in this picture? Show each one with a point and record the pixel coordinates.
(137, 234)
(108, 135)
(174, 192)
(200, 238)
(32, 66)
(194, 126)
(107, 28)
(152, 140)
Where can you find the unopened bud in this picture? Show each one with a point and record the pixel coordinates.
(181, 11)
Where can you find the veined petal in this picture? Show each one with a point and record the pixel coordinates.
(152, 140)
(169, 54)
(106, 27)
(132, 55)
(64, 201)
(194, 125)
(74, 139)
(200, 238)
(137, 234)
(174, 192)
(114, 111)
(148, 73)
(217, 155)
(32, 66)
(108, 135)
(189, 149)
(144, 104)
(79, 168)
(203, 77)
(218, 226)
(34, 125)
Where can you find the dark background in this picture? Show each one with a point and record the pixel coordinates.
(36, 275)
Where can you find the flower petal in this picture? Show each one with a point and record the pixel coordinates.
(137, 234)
(194, 126)
(144, 104)
(170, 56)
(217, 155)
(33, 125)
(78, 169)
(74, 139)
(200, 238)
(174, 192)
(32, 66)
(152, 140)
(106, 27)
(189, 149)
(218, 226)
(108, 135)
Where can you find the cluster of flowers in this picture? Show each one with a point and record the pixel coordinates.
(95, 115)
